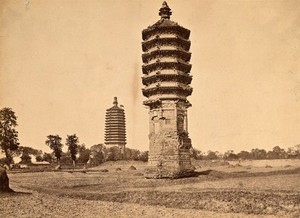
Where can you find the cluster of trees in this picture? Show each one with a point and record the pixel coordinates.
(254, 154)
(97, 154)
(72, 143)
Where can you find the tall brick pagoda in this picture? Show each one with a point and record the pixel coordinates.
(115, 128)
(166, 79)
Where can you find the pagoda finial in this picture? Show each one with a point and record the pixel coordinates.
(165, 11)
(115, 103)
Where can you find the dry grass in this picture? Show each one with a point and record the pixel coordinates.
(216, 192)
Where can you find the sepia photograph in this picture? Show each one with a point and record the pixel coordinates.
(134, 108)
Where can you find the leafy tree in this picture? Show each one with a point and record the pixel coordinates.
(114, 154)
(54, 142)
(211, 155)
(24, 151)
(245, 155)
(8, 134)
(72, 142)
(130, 154)
(97, 154)
(81, 148)
(47, 157)
(144, 156)
(278, 153)
(84, 154)
(294, 152)
(230, 155)
(25, 158)
(196, 154)
(135, 153)
(3, 161)
(258, 154)
(39, 158)
(127, 153)
(30, 150)
(66, 158)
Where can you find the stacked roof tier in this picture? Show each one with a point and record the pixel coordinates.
(166, 68)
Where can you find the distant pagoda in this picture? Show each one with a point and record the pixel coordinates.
(166, 79)
(115, 128)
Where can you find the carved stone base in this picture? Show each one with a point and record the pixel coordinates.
(169, 166)
(170, 173)
(169, 155)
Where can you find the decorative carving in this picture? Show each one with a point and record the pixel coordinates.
(184, 140)
(165, 141)
(180, 123)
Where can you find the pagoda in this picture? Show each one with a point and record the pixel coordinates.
(115, 128)
(166, 79)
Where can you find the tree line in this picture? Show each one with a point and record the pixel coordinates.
(254, 154)
(97, 154)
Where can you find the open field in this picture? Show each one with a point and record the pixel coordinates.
(219, 190)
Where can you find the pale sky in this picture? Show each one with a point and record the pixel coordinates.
(63, 61)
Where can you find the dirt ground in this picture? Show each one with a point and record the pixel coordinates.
(219, 190)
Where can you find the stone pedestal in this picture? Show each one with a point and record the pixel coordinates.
(170, 166)
(169, 149)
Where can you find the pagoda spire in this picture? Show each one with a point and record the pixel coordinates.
(165, 11)
(115, 103)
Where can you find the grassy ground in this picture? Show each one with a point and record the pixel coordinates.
(218, 191)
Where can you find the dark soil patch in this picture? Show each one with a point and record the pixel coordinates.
(220, 201)
(225, 175)
(13, 193)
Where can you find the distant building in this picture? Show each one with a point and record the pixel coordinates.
(115, 127)
(166, 79)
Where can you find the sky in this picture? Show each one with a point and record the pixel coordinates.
(63, 61)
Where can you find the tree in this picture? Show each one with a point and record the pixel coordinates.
(54, 142)
(24, 151)
(196, 154)
(47, 157)
(84, 154)
(8, 134)
(39, 158)
(211, 155)
(97, 154)
(66, 158)
(144, 156)
(279, 153)
(114, 153)
(30, 150)
(245, 155)
(130, 154)
(25, 158)
(230, 155)
(81, 148)
(294, 152)
(258, 154)
(72, 142)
